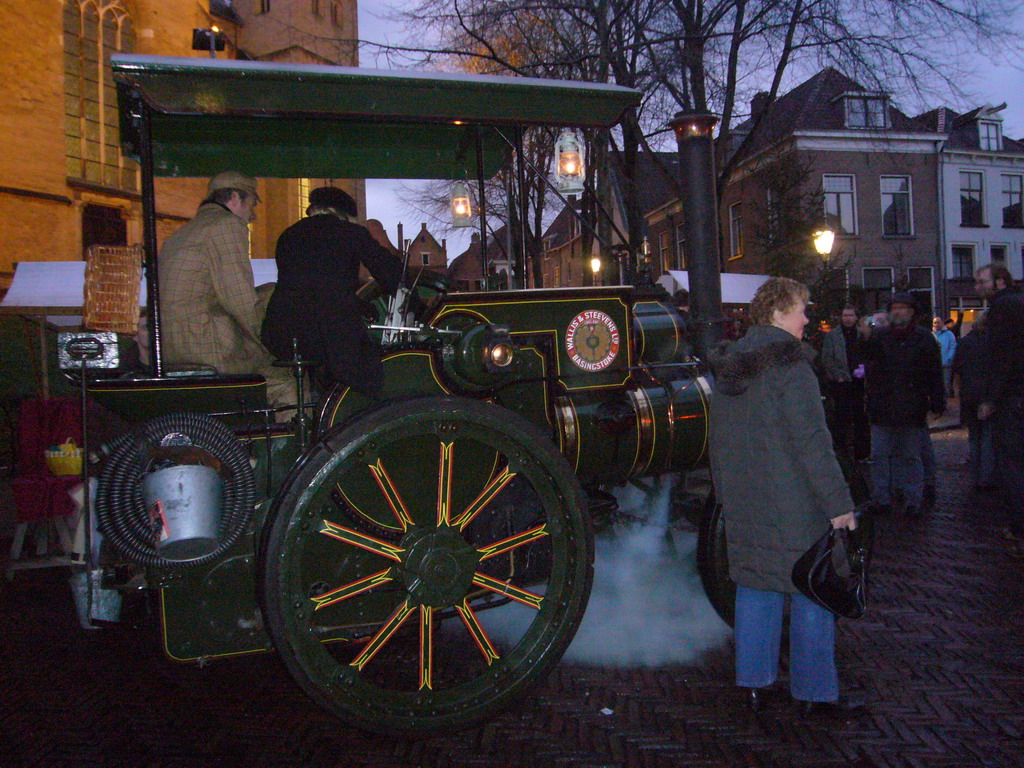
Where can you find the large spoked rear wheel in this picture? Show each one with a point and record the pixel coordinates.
(425, 564)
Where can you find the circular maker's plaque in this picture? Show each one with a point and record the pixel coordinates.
(592, 340)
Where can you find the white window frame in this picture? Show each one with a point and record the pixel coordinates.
(1006, 197)
(910, 203)
(772, 205)
(854, 116)
(952, 261)
(425, 258)
(1004, 247)
(981, 192)
(853, 201)
(990, 135)
(735, 231)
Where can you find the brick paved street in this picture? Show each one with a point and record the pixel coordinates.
(939, 657)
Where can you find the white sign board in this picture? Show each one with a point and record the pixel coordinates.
(736, 288)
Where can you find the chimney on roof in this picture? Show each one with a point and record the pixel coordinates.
(758, 104)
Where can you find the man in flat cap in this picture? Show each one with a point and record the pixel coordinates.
(210, 314)
(315, 301)
(904, 383)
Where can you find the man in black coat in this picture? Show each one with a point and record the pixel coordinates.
(904, 382)
(315, 300)
(970, 368)
(1003, 398)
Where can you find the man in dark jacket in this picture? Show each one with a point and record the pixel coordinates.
(904, 382)
(315, 300)
(1003, 399)
(844, 373)
(970, 369)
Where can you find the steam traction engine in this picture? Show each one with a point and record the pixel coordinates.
(419, 559)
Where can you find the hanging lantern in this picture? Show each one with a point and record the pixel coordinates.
(823, 240)
(570, 173)
(462, 207)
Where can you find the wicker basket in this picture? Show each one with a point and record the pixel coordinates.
(112, 275)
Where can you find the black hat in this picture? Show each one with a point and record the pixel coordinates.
(332, 197)
(903, 298)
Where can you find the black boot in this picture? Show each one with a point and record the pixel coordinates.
(759, 699)
(842, 710)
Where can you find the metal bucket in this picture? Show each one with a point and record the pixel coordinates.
(184, 504)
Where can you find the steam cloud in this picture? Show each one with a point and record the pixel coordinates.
(647, 607)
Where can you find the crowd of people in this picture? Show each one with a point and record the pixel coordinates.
(884, 373)
(774, 453)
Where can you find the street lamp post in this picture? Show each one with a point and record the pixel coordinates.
(824, 239)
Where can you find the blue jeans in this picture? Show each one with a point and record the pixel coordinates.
(812, 642)
(896, 462)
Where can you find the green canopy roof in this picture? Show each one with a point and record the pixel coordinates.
(292, 121)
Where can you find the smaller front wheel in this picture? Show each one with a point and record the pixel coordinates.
(425, 564)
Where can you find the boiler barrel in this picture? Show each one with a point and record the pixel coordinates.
(655, 428)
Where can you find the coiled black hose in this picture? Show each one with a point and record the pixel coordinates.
(121, 511)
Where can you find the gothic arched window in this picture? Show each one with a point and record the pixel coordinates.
(93, 30)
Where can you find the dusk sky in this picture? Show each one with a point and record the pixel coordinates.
(995, 81)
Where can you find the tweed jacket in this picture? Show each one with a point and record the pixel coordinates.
(207, 298)
(772, 462)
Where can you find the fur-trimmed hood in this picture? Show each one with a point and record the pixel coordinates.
(736, 364)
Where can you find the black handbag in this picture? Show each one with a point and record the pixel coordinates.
(833, 576)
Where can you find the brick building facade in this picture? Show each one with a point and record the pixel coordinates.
(63, 182)
(830, 153)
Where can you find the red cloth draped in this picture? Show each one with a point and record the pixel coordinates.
(38, 493)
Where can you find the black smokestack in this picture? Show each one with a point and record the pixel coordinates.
(699, 205)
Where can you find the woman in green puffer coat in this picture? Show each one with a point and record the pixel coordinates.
(781, 487)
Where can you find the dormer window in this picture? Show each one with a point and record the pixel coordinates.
(989, 135)
(866, 111)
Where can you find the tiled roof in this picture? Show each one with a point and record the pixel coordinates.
(962, 130)
(466, 266)
(814, 105)
(558, 233)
